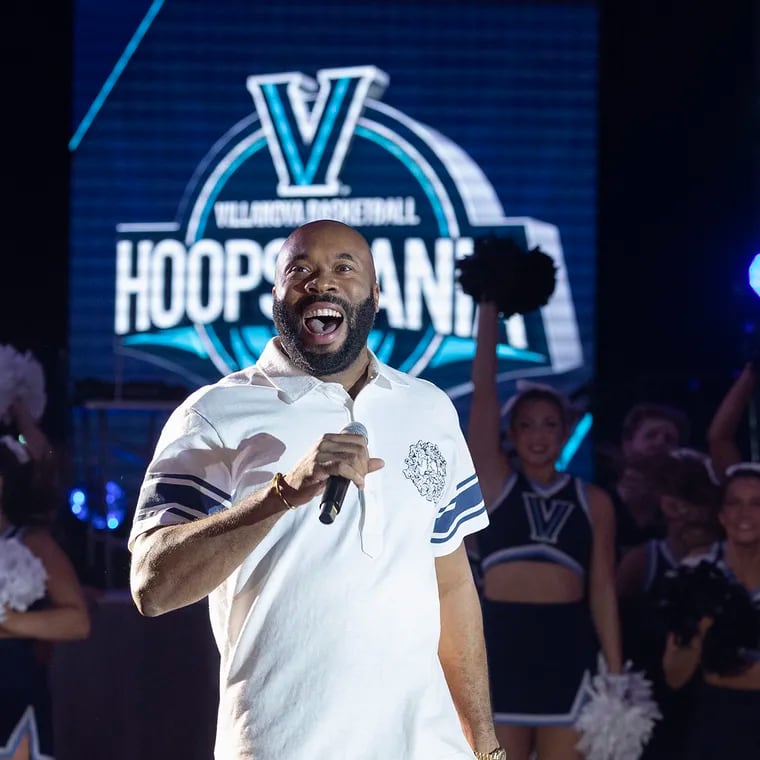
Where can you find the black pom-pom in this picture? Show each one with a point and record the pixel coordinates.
(690, 594)
(733, 635)
(500, 271)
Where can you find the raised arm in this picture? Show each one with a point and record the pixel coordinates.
(461, 649)
(177, 565)
(484, 425)
(602, 593)
(722, 433)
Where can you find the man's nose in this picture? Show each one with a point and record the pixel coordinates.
(320, 282)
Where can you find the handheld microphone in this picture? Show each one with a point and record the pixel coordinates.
(335, 491)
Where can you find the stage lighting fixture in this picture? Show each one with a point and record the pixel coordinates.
(115, 505)
(754, 274)
(78, 503)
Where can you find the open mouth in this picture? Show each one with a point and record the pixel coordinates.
(322, 322)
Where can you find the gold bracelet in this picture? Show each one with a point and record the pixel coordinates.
(497, 754)
(277, 483)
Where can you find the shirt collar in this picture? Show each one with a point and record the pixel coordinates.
(294, 383)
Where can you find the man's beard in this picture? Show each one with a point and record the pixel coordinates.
(288, 320)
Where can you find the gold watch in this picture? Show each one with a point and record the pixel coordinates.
(495, 754)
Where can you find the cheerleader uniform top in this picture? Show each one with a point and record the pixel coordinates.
(659, 562)
(24, 685)
(545, 523)
(716, 554)
(20, 667)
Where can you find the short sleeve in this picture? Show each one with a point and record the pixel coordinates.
(461, 508)
(187, 478)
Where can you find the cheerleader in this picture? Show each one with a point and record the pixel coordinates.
(546, 565)
(723, 644)
(57, 613)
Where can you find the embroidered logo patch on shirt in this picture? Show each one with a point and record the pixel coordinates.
(426, 468)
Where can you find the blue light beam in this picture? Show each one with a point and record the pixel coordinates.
(574, 442)
(113, 77)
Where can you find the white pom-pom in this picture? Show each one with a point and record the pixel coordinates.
(31, 383)
(21, 377)
(618, 720)
(22, 577)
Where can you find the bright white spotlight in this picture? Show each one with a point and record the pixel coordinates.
(754, 274)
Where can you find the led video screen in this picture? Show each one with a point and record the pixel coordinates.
(203, 133)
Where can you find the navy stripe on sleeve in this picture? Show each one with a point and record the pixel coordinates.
(204, 484)
(464, 501)
(192, 495)
(466, 482)
(442, 539)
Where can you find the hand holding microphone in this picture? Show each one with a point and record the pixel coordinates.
(337, 460)
(337, 485)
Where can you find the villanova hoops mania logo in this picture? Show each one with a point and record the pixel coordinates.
(194, 294)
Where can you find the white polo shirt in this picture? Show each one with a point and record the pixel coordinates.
(328, 634)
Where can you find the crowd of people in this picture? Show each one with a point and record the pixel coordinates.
(465, 592)
(675, 594)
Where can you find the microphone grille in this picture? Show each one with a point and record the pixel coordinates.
(356, 428)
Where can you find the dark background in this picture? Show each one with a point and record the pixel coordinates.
(678, 169)
(678, 197)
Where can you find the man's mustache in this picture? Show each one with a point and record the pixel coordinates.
(307, 301)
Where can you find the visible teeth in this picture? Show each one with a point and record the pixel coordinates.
(321, 313)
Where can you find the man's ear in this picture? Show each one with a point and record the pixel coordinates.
(376, 296)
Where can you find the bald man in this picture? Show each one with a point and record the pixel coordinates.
(359, 637)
